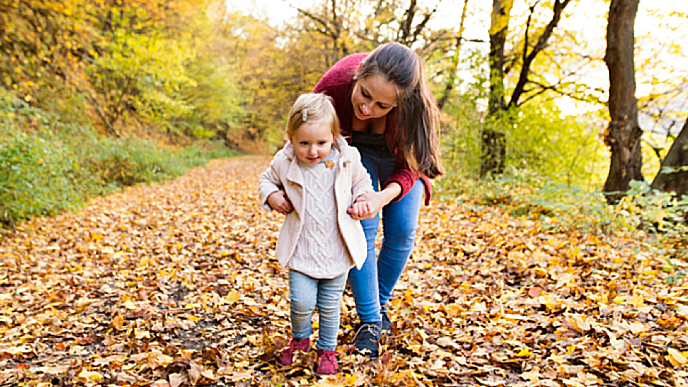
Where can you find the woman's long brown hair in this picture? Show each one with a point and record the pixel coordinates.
(417, 112)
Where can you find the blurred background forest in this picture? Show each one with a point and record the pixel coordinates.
(100, 94)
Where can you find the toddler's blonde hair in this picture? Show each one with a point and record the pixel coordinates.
(312, 106)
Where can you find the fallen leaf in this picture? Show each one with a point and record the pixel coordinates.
(676, 358)
(535, 292)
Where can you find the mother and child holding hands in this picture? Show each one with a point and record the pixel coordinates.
(364, 140)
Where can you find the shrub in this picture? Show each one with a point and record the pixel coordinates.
(48, 165)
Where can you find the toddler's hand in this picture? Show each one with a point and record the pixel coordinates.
(360, 209)
(279, 202)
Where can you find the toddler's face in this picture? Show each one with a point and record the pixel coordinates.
(313, 141)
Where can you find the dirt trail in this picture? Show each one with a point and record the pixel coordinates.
(176, 284)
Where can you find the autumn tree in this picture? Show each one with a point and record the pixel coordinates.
(42, 43)
(493, 137)
(623, 133)
(160, 63)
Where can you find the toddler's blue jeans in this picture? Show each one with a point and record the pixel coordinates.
(305, 293)
(373, 284)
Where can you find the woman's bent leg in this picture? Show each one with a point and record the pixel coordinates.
(363, 282)
(399, 222)
(329, 297)
(303, 292)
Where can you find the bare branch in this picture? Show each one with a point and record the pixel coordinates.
(327, 31)
(528, 59)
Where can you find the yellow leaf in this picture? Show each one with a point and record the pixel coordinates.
(91, 376)
(118, 322)
(129, 304)
(231, 297)
(682, 310)
(141, 334)
(676, 358)
(351, 380)
(637, 301)
(525, 352)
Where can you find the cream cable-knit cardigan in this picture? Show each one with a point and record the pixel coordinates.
(320, 251)
(352, 180)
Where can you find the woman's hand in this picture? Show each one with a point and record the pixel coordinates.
(360, 209)
(374, 201)
(279, 202)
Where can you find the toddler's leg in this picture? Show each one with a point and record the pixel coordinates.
(329, 296)
(303, 292)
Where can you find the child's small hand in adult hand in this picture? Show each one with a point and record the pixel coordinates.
(359, 210)
(279, 202)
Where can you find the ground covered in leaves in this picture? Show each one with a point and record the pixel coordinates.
(176, 285)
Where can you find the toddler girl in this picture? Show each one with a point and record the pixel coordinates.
(315, 180)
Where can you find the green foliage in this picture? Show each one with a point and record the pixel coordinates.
(656, 218)
(653, 211)
(565, 149)
(561, 149)
(176, 82)
(675, 273)
(214, 97)
(463, 121)
(37, 177)
(144, 74)
(529, 194)
(59, 167)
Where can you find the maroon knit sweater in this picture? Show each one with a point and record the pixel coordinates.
(338, 83)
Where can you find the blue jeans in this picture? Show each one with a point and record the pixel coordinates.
(373, 284)
(305, 293)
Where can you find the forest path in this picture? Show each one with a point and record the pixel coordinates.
(176, 284)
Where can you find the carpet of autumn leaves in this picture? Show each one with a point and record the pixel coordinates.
(176, 285)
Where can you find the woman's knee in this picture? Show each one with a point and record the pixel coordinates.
(401, 232)
(370, 227)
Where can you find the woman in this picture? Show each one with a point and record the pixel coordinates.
(386, 111)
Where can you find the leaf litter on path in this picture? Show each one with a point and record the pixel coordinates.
(176, 284)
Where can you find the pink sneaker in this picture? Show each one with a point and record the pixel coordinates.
(286, 355)
(327, 363)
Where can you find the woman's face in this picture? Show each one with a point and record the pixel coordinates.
(373, 97)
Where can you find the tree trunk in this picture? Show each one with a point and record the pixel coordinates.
(677, 157)
(623, 133)
(451, 76)
(493, 141)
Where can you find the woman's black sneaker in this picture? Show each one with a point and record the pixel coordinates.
(367, 338)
